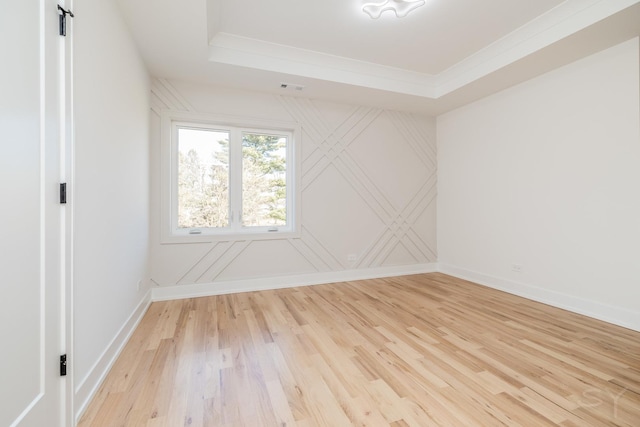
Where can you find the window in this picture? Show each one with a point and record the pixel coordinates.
(229, 180)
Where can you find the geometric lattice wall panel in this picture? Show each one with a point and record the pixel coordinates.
(419, 133)
(368, 189)
(400, 255)
(165, 97)
(172, 265)
(339, 217)
(389, 161)
(216, 257)
(309, 152)
(265, 259)
(332, 114)
(425, 227)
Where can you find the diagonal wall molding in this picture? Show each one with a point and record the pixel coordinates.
(573, 27)
(397, 221)
(165, 97)
(336, 141)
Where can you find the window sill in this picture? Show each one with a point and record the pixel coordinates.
(169, 239)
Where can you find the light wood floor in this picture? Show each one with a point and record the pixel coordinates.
(423, 350)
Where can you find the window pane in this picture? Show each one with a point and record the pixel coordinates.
(264, 183)
(203, 178)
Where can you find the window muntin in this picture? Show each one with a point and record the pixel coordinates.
(230, 181)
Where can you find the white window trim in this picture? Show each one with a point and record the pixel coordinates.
(168, 190)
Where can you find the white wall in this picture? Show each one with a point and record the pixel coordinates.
(110, 190)
(376, 199)
(546, 175)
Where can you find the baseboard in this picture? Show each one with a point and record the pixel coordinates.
(163, 293)
(618, 316)
(89, 385)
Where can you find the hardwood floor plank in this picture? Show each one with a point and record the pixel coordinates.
(422, 350)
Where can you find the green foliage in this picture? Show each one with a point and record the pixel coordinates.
(203, 191)
(264, 187)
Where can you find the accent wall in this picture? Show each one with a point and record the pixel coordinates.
(368, 190)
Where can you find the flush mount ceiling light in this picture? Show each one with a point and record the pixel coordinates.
(400, 7)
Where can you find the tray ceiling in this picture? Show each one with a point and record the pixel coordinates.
(442, 55)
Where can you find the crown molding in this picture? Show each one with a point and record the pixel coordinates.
(560, 22)
(247, 52)
(569, 18)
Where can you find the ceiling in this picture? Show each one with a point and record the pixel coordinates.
(442, 55)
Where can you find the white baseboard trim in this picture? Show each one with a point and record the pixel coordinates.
(89, 385)
(163, 293)
(618, 316)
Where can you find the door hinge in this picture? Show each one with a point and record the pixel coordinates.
(63, 365)
(63, 19)
(63, 193)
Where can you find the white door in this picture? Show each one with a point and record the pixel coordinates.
(31, 218)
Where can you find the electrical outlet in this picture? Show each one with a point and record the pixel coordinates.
(352, 257)
(517, 268)
(139, 284)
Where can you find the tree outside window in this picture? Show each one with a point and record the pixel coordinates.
(208, 194)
